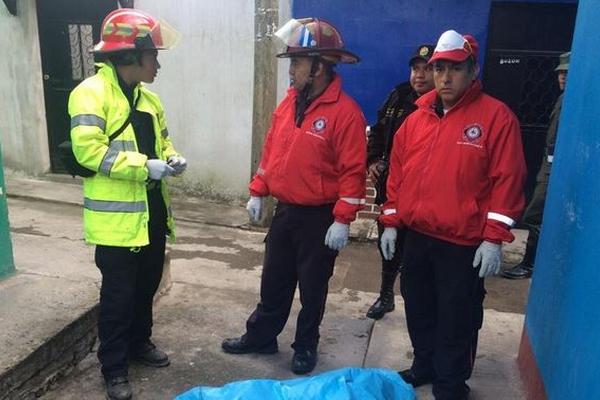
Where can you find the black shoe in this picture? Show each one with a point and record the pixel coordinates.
(381, 306)
(467, 391)
(304, 361)
(241, 346)
(409, 376)
(519, 271)
(118, 388)
(461, 393)
(149, 355)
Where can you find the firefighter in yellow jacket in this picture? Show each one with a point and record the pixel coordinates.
(126, 204)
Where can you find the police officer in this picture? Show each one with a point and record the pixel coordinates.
(456, 186)
(126, 204)
(398, 106)
(532, 218)
(313, 163)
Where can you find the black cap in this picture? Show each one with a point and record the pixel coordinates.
(422, 52)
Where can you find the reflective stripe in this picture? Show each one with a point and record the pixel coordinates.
(502, 218)
(164, 133)
(260, 171)
(353, 200)
(305, 39)
(123, 145)
(88, 120)
(389, 211)
(108, 161)
(114, 206)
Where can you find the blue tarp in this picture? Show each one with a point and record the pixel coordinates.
(340, 384)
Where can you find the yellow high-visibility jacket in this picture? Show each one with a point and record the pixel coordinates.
(115, 200)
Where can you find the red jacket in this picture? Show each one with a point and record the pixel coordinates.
(323, 161)
(457, 178)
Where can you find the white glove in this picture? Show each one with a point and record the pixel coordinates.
(178, 163)
(158, 169)
(490, 256)
(337, 236)
(254, 207)
(388, 242)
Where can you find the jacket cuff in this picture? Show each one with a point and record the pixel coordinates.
(390, 220)
(497, 232)
(258, 188)
(345, 209)
(135, 159)
(343, 220)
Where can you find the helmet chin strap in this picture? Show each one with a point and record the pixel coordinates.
(303, 99)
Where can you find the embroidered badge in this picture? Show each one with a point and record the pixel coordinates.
(423, 51)
(319, 125)
(472, 133)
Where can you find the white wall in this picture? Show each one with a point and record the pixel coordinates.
(283, 79)
(23, 130)
(206, 86)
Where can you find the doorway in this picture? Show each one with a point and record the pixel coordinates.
(68, 29)
(524, 42)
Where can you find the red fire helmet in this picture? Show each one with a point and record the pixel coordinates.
(131, 29)
(314, 37)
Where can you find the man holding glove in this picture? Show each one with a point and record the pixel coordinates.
(313, 163)
(127, 212)
(456, 185)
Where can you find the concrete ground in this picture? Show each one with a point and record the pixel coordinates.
(214, 279)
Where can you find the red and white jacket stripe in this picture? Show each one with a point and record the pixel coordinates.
(320, 162)
(460, 177)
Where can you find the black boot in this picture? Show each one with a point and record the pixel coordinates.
(385, 302)
(118, 388)
(519, 271)
(149, 355)
(240, 345)
(524, 269)
(409, 376)
(304, 361)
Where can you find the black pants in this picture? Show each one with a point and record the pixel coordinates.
(390, 268)
(443, 298)
(295, 254)
(130, 278)
(532, 217)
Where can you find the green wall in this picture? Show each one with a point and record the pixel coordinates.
(7, 264)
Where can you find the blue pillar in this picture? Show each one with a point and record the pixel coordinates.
(563, 317)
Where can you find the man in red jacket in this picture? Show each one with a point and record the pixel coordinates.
(313, 163)
(456, 185)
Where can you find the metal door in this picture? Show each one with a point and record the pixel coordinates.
(524, 42)
(68, 29)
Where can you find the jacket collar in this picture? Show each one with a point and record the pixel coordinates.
(109, 72)
(428, 100)
(331, 94)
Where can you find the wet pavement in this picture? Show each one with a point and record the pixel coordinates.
(211, 287)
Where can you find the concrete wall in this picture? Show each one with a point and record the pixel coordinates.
(283, 79)
(23, 121)
(562, 323)
(206, 84)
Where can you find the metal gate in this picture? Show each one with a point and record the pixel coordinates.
(524, 42)
(68, 29)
